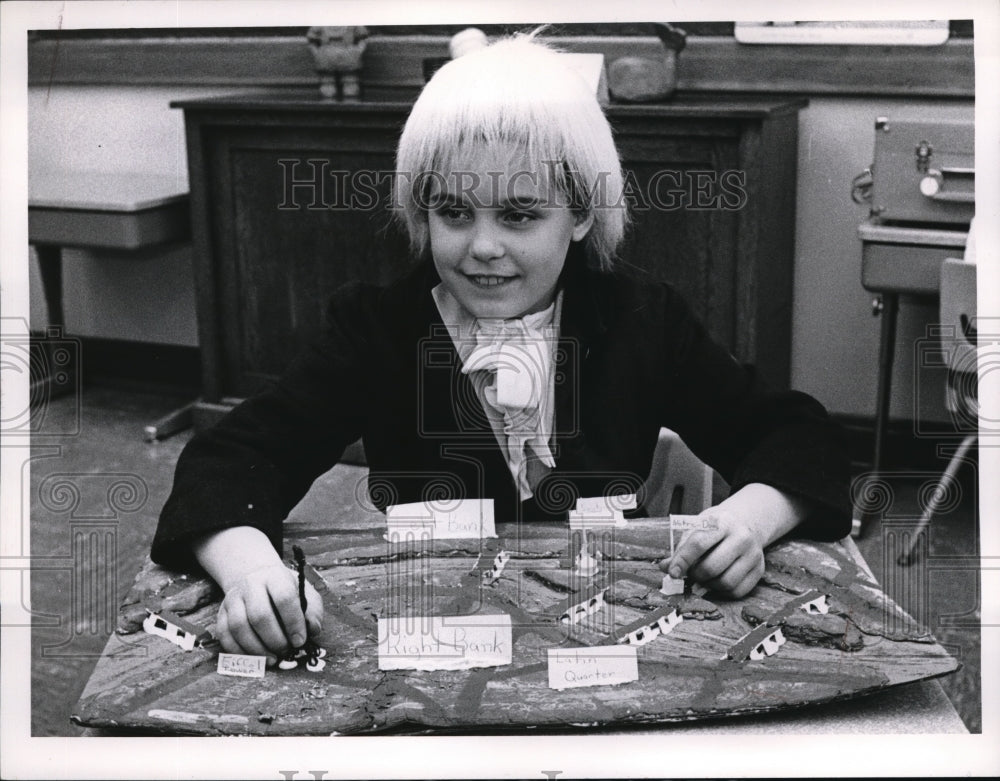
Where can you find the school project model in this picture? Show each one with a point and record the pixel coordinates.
(515, 625)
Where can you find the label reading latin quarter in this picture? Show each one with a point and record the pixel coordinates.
(444, 642)
(603, 665)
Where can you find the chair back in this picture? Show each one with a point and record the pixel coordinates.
(960, 338)
(679, 481)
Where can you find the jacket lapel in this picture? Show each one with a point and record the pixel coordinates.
(458, 434)
(456, 412)
(583, 322)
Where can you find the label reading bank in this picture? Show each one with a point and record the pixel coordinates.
(444, 642)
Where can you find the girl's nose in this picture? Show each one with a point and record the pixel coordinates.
(486, 244)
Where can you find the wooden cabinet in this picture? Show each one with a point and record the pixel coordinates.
(289, 197)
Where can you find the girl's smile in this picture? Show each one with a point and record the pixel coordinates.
(499, 233)
(490, 281)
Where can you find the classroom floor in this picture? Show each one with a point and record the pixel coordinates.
(96, 489)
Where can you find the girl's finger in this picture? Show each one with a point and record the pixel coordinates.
(719, 559)
(243, 633)
(749, 582)
(692, 548)
(739, 579)
(263, 619)
(283, 599)
(222, 633)
(314, 610)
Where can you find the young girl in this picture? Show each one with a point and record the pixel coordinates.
(513, 363)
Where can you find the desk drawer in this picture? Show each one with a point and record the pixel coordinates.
(888, 268)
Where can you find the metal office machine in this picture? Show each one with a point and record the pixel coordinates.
(921, 187)
(924, 171)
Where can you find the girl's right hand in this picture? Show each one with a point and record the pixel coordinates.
(261, 615)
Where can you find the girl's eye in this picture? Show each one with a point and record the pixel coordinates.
(520, 218)
(453, 213)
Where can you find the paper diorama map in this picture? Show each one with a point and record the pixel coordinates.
(426, 633)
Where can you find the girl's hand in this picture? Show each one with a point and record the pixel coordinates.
(261, 614)
(728, 557)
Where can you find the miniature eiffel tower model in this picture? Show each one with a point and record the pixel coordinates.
(309, 654)
(586, 565)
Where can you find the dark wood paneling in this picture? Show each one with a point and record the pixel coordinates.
(267, 258)
(272, 252)
(669, 239)
(913, 71)
(147, 366)
(393, 64)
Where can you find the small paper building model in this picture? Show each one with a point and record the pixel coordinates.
(487, 569)
(582, 604)
(642, 635)
(175, 629)
(769, 645)
(756, 644)
(820, 605)
(492, 574)
(586, 565)
(669, 621)
(649, 627)
(672, 586)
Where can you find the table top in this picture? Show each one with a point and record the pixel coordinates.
(682, 104)
(143, 682)
(874, 231)
(98, 191)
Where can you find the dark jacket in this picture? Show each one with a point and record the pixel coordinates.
(632, 359)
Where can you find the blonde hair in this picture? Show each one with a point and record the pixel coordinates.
(517, 95)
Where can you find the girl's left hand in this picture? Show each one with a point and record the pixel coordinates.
(728, 556)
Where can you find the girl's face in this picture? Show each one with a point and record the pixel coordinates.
(499, 233)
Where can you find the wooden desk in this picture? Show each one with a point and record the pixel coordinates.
(275, 231)
(144, 683)
(93, 210)
(900, 261)
(125, 213)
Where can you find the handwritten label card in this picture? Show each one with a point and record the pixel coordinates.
(581, 520)
(602, 665)
(601, 511)
(444, 642)
(603, 505)
(695, 522)
(457, 519)
(243, 665)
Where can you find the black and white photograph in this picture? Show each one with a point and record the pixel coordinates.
(549, 391)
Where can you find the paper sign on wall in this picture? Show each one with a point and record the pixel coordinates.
(445, 520)
(603, 665)
(444, 642)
